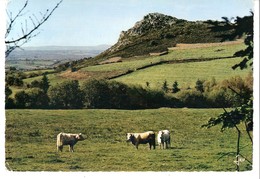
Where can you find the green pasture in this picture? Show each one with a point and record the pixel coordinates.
(178, 54)
(31, 141)
(186, 74)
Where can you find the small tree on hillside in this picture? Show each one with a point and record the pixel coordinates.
(175, 87)
(199, 86)
(44, 84)
(165, 87)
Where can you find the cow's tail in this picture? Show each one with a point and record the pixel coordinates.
(59, 141)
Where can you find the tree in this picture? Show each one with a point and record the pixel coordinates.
(66, 95)
(96, 94)
(244, 112)
(199, 86)
(165, 87)
(9, 102)
(26, 33)
(241, 27)
(37, 98)
(175, 87)
(21, 99)
(44, 84)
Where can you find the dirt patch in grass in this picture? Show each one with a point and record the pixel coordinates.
(204, 45)
(87, 75)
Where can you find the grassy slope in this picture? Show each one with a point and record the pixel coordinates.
(31, 141)
(186, 74)
(133, 63)
(157, 74)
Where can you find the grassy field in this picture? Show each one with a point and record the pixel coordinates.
(186, 74)
(31, 141)
(178, 54)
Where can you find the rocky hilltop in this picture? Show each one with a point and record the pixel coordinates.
(156, 32)
(150, 22)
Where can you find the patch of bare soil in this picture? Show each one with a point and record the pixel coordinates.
(88, 75)
(204, 45)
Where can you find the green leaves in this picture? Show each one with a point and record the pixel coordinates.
(230, 119)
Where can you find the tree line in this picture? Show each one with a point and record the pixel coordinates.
(105, 94)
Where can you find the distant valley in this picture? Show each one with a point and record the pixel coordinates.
(48, 56)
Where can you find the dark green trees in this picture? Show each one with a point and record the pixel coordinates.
(66, 95)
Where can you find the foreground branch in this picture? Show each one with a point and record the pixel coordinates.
(18, 42)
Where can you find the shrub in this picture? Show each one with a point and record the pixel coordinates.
(192, 98)
(37, 98)
(66, 95)
(112, 94)
(175, 88)
(21, 99)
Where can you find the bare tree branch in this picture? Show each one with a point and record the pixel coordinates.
(26, 35)
(12, 20)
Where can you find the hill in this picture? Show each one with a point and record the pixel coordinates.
(156, 32)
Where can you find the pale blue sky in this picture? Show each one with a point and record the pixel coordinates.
(95, 22)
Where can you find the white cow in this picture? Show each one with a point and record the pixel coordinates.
(164, 139)
(68, 139)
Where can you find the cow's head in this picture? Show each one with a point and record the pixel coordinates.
(129, 137)
(80, 137)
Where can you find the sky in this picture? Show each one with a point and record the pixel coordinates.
(96, 22)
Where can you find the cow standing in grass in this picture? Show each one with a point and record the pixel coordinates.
(164, 139)
(142, 138)
(68, 139)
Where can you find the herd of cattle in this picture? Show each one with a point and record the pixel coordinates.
(163, 139)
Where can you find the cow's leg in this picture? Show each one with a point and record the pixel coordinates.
(71, 148)
(59, 148)
(163, 145)
(150, 145)
(136, 145)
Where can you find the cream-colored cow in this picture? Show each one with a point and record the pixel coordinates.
(68, 139)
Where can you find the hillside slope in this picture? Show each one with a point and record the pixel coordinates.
(156, 32)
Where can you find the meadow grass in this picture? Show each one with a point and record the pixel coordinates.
(178, 54)
(186, 74)
(31, 141)
(157, 74)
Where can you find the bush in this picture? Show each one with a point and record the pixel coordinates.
(192, 98)
(21, 99)
(37, 98)
(112, 94)
(66, 95)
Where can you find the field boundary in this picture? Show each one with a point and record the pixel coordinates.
(189, 60)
